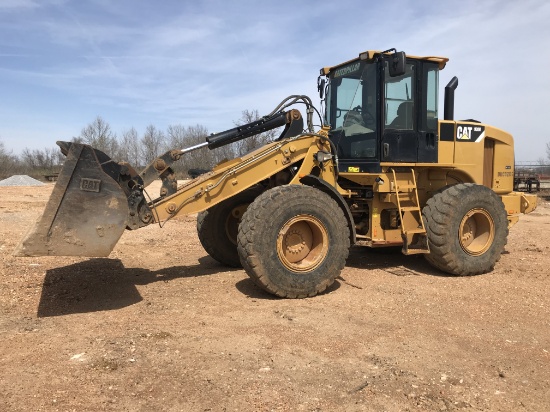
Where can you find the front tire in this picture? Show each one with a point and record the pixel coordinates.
(293, 241)
(467, 229)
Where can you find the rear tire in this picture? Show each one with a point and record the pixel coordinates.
(467, 229)
(293, 241)
(217, 226)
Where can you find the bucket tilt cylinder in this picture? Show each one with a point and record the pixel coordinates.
(160, 167)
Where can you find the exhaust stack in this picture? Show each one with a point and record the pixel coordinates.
(450, 99)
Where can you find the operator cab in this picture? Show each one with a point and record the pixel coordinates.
(383, 107)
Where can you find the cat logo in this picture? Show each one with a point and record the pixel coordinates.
(90, 185)
(353, 169)
(464, 133)
(469, 133)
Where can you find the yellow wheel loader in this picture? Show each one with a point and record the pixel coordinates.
(382, 170)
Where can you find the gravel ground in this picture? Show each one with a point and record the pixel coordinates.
(160, 326)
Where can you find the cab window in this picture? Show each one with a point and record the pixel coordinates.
(399, 99)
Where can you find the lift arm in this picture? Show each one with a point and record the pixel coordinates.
(95, 199)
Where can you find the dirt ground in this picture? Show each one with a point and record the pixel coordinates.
(161, 326)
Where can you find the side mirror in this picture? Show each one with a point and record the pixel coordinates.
(396, 64)
(321, 86)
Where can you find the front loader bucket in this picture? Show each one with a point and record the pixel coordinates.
(87, 211)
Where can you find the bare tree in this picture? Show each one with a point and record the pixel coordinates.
(28, 158)
(151, 144)
(129, 147)
(175, 137)
(44, 161)
(98, 134)
(8, 162)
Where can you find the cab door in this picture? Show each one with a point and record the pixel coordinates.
(400, 135)
(410, 114)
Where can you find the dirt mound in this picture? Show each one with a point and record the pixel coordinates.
(20, 180)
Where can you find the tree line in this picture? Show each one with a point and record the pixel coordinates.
(139, 150)
(135, 148)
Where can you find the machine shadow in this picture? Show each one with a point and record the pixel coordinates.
(248, 288)
(105, 284)
(392, 261)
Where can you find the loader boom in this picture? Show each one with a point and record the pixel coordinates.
(235, 176)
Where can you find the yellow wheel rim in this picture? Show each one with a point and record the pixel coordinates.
(302, 243)
(476, 232)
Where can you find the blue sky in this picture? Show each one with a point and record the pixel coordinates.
(137, 62)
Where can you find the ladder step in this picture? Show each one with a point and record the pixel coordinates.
(410, 209)
(408, 194)
(414, 251)
(419, 230)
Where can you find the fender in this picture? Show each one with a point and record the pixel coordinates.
(317, 182)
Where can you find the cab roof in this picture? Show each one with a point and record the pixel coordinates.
(370, 54)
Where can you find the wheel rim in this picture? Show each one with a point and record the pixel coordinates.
(302, 243)
(477, 232)
(232, 222)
